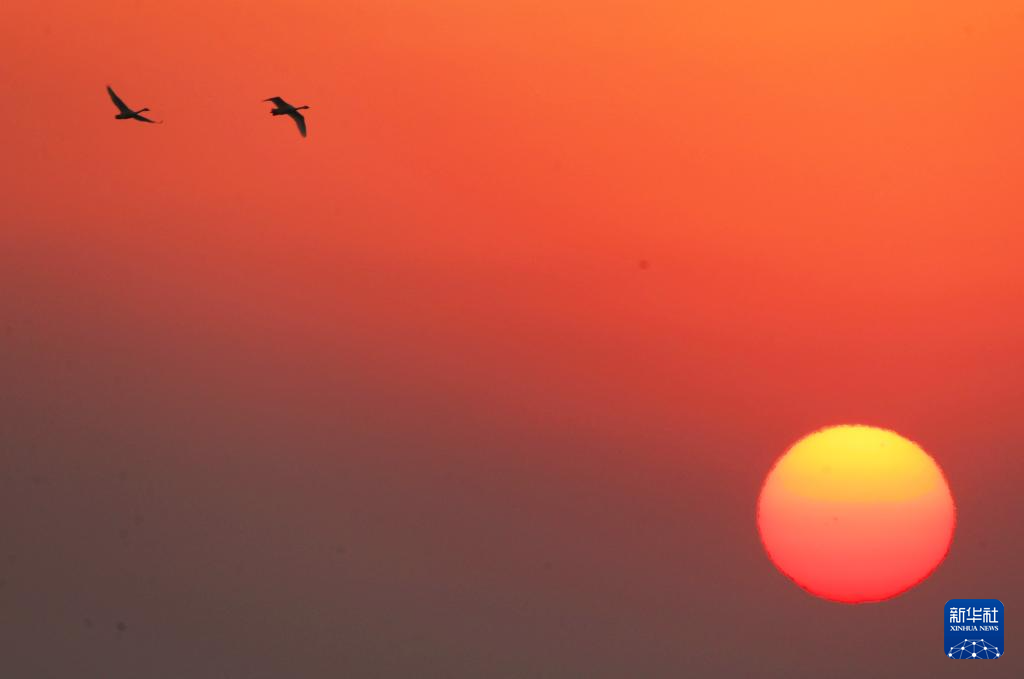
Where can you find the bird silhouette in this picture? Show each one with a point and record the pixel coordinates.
(283, 108)
(125, 112)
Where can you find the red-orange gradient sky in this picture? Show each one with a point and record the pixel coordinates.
(399, 397)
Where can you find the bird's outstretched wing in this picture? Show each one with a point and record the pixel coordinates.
(117, 101)
(279, 102)
(300, 121)
(147, 120)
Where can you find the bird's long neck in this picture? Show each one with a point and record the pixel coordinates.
(299, 108)
(142, 110)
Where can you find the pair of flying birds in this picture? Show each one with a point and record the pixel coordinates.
(281, 108)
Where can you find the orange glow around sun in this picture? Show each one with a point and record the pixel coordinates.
(856, 514)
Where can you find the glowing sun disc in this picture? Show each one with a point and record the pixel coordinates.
(856, 514)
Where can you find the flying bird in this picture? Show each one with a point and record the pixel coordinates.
(125, 112)
(283, 108)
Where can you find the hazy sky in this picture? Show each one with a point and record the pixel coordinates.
(482, 378)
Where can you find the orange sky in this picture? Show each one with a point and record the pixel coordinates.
(828, 195)
(804, 179)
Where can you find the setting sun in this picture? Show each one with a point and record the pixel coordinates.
(856, 514)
